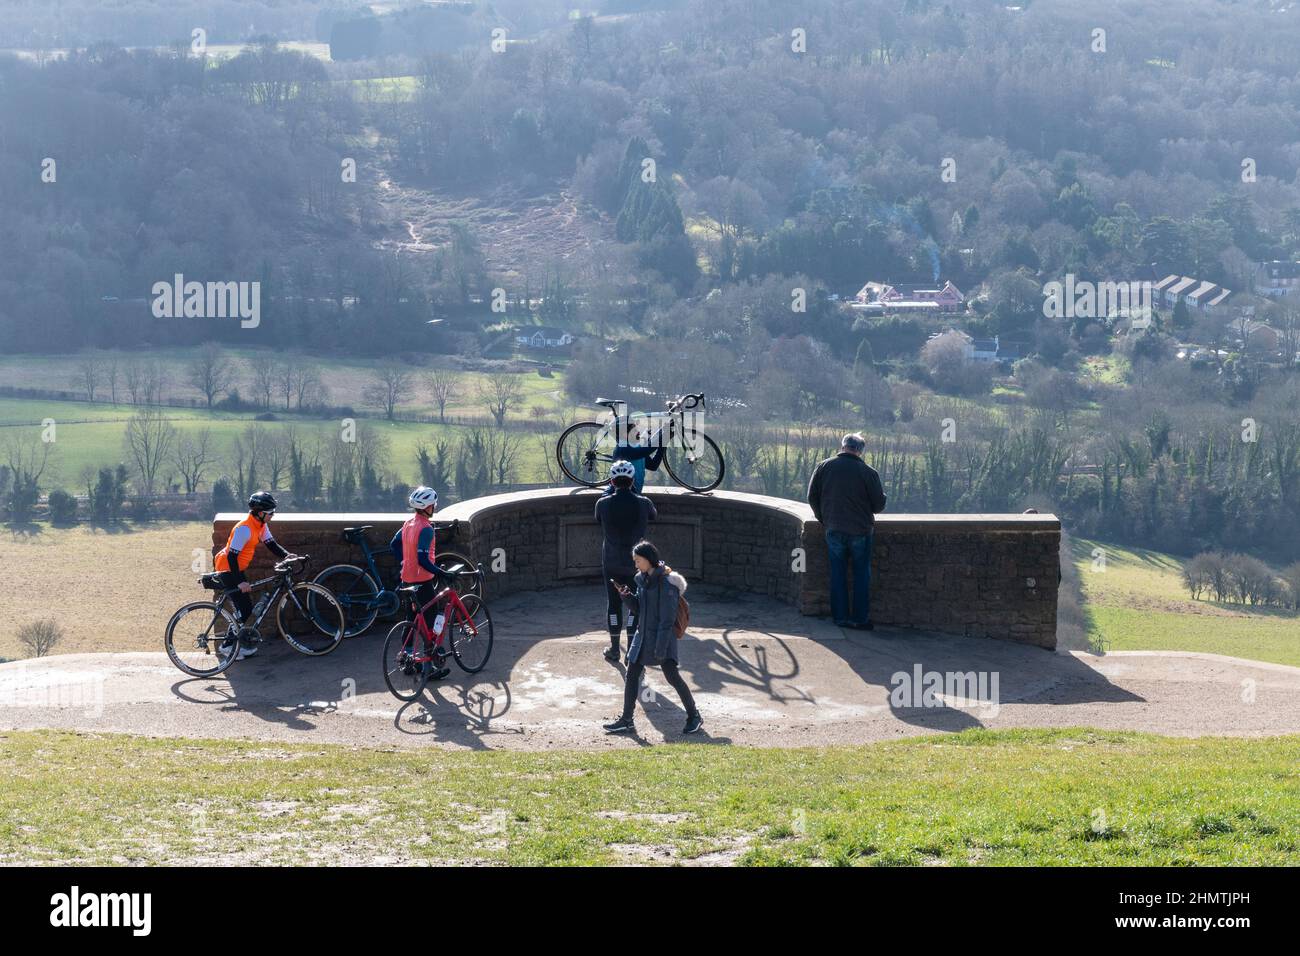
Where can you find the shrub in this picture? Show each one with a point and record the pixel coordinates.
(1291, 575)
(223, 498)
(63, 507)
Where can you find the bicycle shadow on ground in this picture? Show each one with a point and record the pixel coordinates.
(280, 686)
(446, 713)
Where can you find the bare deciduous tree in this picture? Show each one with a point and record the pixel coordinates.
(192, 454)
(276, 452)
(499, 392)
(90, 374)
(149, 442)
(300, 380)
(210, 371)
(265, 373)
(444, 387)
(388, 386)
(39, 637)
(112, 374)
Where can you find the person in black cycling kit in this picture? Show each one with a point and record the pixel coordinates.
(622, 516)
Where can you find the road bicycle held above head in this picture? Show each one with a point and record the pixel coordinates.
(586, 450)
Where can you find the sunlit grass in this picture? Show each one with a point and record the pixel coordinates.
(1060, 797)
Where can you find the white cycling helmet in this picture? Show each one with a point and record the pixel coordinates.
(422, 497)
(622, 469)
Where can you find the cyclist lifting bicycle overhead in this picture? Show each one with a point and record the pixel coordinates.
(413, 547)
(233, 560)
(641, 450)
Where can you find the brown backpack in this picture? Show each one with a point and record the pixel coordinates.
(683, 619)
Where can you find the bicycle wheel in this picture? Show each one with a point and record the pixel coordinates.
(195, 636)
(355, 590)
(585, 451)
(310, 620)
(404, 672)
(700, 471)
(455, 561)
(471, 635)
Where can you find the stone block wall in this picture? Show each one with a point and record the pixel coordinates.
(978, 575)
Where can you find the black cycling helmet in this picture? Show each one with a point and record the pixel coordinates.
(261, 501)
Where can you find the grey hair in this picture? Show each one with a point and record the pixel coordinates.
(854, 442)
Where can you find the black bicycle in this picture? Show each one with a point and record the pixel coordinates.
(587, 449)
(204, 637)
(362, 593)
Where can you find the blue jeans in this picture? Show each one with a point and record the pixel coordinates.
(845, 549)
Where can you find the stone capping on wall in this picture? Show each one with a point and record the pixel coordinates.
(986, 575)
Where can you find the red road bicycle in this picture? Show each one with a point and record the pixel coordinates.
(412, 650)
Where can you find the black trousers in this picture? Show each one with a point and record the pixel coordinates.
(615, 602)
(243, 603)
(671, 674)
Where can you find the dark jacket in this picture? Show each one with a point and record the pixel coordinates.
(846, 494)
(655, 607)
(623, 517)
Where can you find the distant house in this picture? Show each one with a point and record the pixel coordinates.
(543, 337)
(905, 298)
(1011, 351)
(1198, 294)
(1258, 337)
(983, 350)
(988, 350)
(1275, 279)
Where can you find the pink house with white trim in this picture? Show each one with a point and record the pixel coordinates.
(947, 297)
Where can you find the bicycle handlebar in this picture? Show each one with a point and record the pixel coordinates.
(685, 401)
(286, 566)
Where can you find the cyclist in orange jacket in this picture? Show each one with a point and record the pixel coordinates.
(233, 560)
(414, 548)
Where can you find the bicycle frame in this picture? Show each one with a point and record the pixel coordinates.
(283, 584)
(372, 569)
(674, 421)
(454, 605)
(383, 592)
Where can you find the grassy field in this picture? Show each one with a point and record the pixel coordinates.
(345, 381)
(99, 442)
(1139, 603)
(1066, 797)
(111, 590)
(92, 434)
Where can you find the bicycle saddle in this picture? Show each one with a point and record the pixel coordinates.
(609, 403)
(357, 532)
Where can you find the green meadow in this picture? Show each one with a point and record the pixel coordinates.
(1004, 798)
(1138, 603)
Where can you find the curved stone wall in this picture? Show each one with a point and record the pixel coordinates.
(978, 575)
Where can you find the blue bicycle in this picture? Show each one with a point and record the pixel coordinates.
(361, 591)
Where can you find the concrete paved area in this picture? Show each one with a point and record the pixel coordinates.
(762, 674)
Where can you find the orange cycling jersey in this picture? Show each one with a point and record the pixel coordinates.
(243, 541)
(413, 570)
